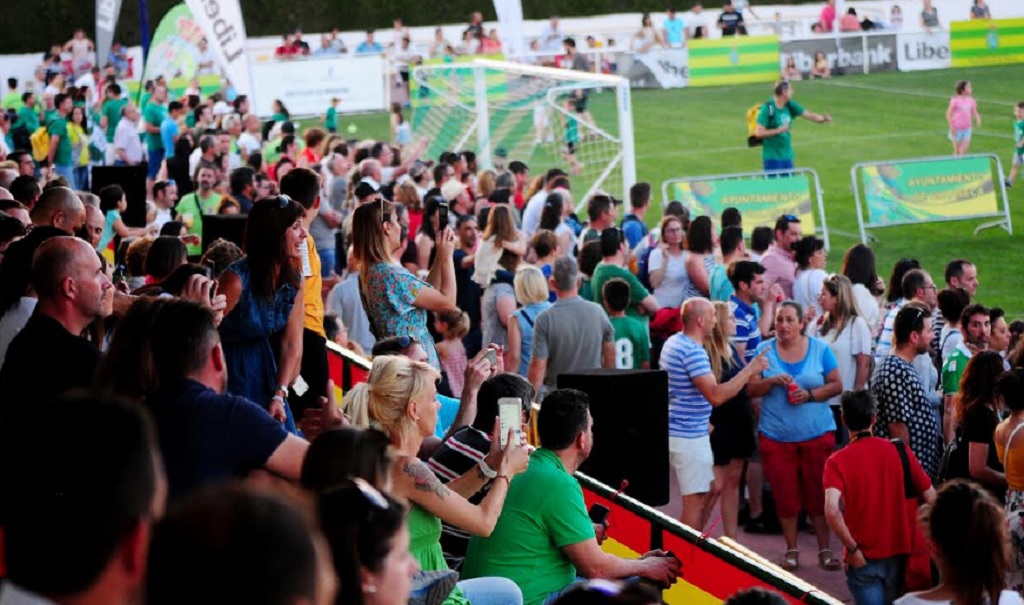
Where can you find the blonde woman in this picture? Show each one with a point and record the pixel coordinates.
(532, 293)
(355, 404)
(732, 437)
(403, 405)
(846, 333)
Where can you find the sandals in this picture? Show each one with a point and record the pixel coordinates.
(828, 561)
(791, 560)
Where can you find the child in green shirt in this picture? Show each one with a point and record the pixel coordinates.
(1018, 140)
(632, 341)
(331, 119)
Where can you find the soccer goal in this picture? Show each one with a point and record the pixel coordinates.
(580, 122)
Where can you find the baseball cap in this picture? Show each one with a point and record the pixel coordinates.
(417, 169)
(452, 189)
(221, 108)
(366, 188)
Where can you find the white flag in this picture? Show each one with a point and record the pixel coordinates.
(221, 22)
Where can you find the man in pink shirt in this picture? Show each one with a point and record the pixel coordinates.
(779, 261)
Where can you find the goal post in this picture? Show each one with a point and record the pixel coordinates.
(546, 117)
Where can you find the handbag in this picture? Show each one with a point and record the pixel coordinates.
(918, 572)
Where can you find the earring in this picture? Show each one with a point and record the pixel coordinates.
(371, 589)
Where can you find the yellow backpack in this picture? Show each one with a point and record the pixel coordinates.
(752, 139)
(40, 144)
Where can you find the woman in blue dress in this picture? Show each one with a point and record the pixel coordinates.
(396, 301)
(264, 298)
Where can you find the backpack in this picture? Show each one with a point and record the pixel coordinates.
(40, 140)
(643, 271)
(752, 139)
(954, 463)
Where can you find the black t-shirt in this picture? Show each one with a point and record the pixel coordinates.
(979, 426)
(468, 292)
(730, 22)
(208, 438)
(43, 361)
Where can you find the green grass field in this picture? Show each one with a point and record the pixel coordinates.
(691, 132)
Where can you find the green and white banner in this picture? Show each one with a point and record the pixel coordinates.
(761, 200)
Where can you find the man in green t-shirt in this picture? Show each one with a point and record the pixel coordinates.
(545, 537)
(774, 123)
(111, 111)
(11, 100)
(59, 156)
(632, 338)
(977, 329)
(28, 115)
(153, 116)
(614, 249)
(192, 207)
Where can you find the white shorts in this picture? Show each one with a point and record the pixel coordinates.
(693, 463)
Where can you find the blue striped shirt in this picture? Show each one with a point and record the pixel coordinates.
(748, 332)
(688, 411)
(885, 336)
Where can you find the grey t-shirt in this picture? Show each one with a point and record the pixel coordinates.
(570, 336)
(493, 331)
(322, 233)
(344, 302)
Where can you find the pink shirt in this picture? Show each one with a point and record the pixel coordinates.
(827, 17)
(963, 109)
(779, 268)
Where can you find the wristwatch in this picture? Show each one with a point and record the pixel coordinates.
(486, 470)
(852, 551)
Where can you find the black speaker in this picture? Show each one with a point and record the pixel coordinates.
(225, 226)
(630, 410)
(133, 180)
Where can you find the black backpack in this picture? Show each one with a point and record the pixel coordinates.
(954, 463)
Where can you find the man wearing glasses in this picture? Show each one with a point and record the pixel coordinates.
(26, 167)
(903, 408)
(918, 286)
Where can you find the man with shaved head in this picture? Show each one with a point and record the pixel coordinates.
(59, 207)
(693, 389)
(49, 356)
(92, 230)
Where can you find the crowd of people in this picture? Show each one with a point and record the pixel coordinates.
(180, 367)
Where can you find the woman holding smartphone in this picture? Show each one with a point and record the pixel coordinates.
(396, 301)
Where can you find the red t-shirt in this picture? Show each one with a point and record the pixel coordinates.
(869, 475)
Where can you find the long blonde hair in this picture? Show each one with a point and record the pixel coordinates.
(355, 404)
(717, 345)
(394, 383)
(485, 183)
(841, 288)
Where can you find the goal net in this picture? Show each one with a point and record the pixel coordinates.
(546, 117)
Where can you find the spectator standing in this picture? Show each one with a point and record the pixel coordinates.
(264, 296)
(632, 340)
(751, 293)
(899, 295)
(544, 544)
(929, 17)
(952, 303)
(859, 268)
(674, 29)
(633, 222)
(810, 256)
(70, 285)
(774, 123)
(733, 250)
(344, 301)
(468, 292)
(153, 115)
(666, 265)
(573, 335)
(17, 298)
(780, 260)
(731, 21)
(903, 409)
(846, 333)
(535, 205)
(203, 200)
(873, 524)
(693, 392)
(976, 327)
(797, 430)
(980, 10)
(551, 36)
(59, 154)
(397, 301)
(960, 273)
(369, 46)
(977, 415)
(532, 293)
(827, 17)
(614, 266)
(1010, 387)
(127, 145)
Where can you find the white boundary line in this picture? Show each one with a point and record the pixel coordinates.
(912, 93)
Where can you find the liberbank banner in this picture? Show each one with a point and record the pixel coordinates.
(845, 55)
(922, 51)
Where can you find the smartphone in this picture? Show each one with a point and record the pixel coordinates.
(510, 416)
(442, 218)
(119, 275)
(599, 514)
(492, 357)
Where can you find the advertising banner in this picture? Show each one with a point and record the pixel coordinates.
(987, 42)
(306, 87)
(107, 14)
(174, 50)
(660, 68)
(222, 24)
(734, 60)
(761, 199)
(933, 190)
(922, 51)
(848, 58)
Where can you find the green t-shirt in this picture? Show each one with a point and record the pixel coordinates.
(1018, 135)
(331, 120)
(50, 115)
(572, 130)
(544, 512)
(632, 343)
(953, 369)
(12, 100)
(637, 291)
(154, 114)
(59, 128)
(29, 118)
(190, 209)
(144, 100)
(780, 146)
(112, 111)
(279, 117)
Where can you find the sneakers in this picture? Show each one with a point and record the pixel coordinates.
(1008, 183)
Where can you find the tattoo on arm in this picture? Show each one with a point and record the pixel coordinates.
(424, 479)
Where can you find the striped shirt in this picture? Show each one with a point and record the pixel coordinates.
(885, 337)
(748, 332)
(458, 455)
(688, 411)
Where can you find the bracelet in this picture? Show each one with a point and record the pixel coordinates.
(283, 388)
(852, 551)
(277, 398)
(508, 482)
(486, 470)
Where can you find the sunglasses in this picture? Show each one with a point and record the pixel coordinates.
(283, 201)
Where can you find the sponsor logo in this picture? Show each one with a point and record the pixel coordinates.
(924, 50)
(106, 14)
(850, 56)
(224, 33)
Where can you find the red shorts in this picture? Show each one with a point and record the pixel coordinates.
(795, 471)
